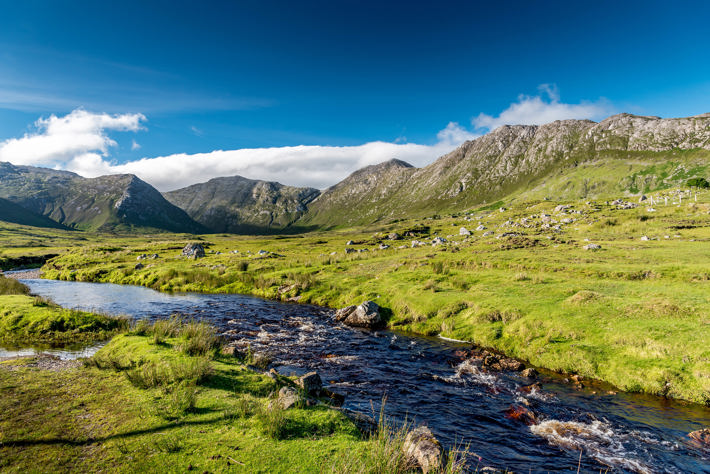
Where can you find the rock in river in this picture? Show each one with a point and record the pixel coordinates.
(366, 315)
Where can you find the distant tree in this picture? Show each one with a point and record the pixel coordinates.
(698, 183)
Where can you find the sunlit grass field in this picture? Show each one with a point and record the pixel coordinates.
(634, 313)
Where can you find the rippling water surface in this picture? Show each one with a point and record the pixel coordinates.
(424, 380)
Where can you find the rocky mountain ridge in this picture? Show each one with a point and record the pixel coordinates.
(567, 159)
(113, 202)
(510, 158)
(240, 205)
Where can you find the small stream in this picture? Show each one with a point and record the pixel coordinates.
(424, 380)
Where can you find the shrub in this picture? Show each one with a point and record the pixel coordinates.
(698, 183)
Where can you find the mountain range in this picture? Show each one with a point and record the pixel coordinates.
(567, 159)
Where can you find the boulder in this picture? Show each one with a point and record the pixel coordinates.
(193, 250)
(384, 246)
(394, 236)
(350, 250)
(592, 247)
(350, 242)
(139, 266)
(290, 398)
(645, 238)
(231, 351)
(310, 383)
(438, 241)
(366, 315)
(481, 227)
(701, 436)
(464, 231)
(422, 449)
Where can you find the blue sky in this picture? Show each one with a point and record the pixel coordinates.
(330, 77)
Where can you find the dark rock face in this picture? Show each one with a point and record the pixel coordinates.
(422, 449)
(366, 315)
(116, 202)
(240, 205)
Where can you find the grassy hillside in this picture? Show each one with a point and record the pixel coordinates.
(11, 212)
(634, 313)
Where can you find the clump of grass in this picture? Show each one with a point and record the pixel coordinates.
(584, 296)
(165, 328)
(242, 265)
(303, 281)
(246, 406)
(199, 338)
(272, 420)
(430, 285)
(9, 286)
(521, 277)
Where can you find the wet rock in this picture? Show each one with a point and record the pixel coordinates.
(535, 387)
(336, 399)
(310, 383)
(289, 398)
(529, 373)
(521, 414)
(511, 365)
(193, 250)
(366, 315)
(701, 436)
(423, 449)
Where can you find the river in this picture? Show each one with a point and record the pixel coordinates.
(425, 381)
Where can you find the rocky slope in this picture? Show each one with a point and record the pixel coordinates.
(240, 205)
(116, 202)
(565, 158)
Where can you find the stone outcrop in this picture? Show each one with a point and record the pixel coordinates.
(193, 250)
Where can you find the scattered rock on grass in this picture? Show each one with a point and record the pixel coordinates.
(592, 247)
(193, 250)
(289, 397)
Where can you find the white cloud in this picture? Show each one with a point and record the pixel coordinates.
(454, 135)
(61, 140)
(316, 166)
(135, 145)
(79, 142)
(543, 108)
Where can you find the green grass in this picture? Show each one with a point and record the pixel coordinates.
(645, 327)
(25, 319)
(138, 406)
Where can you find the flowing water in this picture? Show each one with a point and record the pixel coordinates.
(426, 381)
